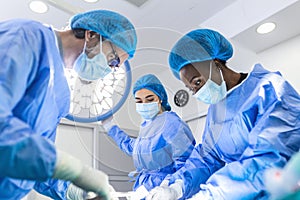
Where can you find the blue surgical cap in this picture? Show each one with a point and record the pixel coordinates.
(197, 46)
(152, 83)
(111, 25)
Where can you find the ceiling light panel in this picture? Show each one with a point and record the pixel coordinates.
(266, 28)
(38, 6)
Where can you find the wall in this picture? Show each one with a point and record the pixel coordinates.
(284, 58)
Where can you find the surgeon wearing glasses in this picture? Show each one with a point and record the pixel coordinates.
(99, 56)
(35, 96)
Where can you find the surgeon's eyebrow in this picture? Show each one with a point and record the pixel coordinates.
(138, 100)
(146, 97)
(192, 78)
(151, 95)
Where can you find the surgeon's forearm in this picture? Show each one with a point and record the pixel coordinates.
(124, 141)
(53, 188)
(192, 179)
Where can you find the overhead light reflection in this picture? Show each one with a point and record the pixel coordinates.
(38, 6)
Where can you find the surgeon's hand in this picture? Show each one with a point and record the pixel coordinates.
(93, 180)
(162, 192)
(171, 192)
(203, 195)
(76, 193)
(71, 169)
(108, 123)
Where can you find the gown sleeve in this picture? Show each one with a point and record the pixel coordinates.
(196, 170)
(24, 153)
(53, 188)
(124, 142)
(178, 134)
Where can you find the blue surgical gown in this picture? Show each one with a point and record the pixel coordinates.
(162, 147)
(257, 126)
(34, 97)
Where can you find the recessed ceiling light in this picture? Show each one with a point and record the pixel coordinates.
(38, 6)
(266, 28)
(91, 1)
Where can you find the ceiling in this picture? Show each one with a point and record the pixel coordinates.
(160, 23)
(286, 29)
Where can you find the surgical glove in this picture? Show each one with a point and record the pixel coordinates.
(140, 193)
(89, 179)
(203, 195)
(172, 192)
(75, 193)
(108, 123)
(165, 183)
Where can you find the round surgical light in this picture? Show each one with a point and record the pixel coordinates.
(266, 28)
(38, 6)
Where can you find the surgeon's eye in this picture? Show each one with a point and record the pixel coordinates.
(196, 83)
(138, 100)
(110, 56)
(150, 100)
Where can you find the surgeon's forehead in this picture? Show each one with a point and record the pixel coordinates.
(195, 69)
(143, 93)
(187, 71)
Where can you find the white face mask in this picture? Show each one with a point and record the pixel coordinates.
(92, 68)
(210, 92)
(147, 110)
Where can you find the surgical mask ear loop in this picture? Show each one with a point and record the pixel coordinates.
(84, 46)
(210, 71)
(221, 74)
(100, 43)
(114, 69)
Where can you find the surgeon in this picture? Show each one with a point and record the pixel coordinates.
(35, 96)
(164, 141)
(252, 124)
